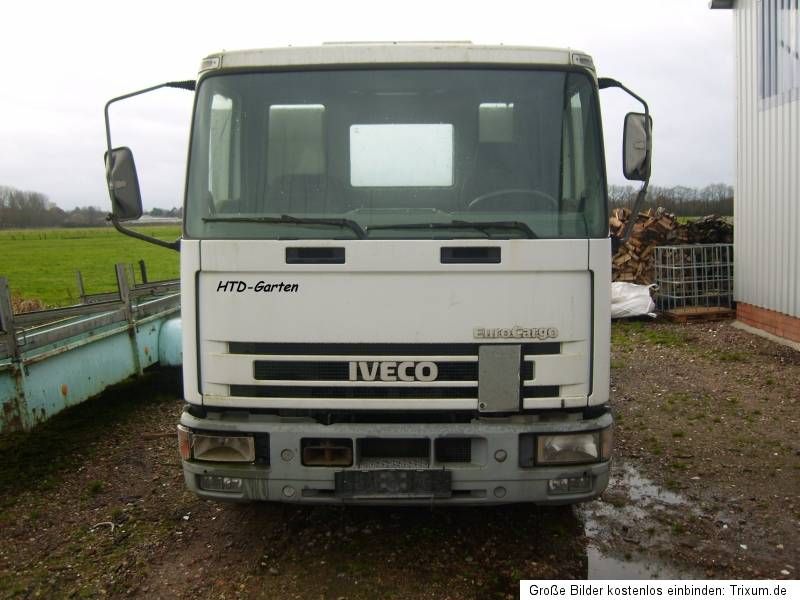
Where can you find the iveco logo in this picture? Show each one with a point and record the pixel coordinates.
(389, 370)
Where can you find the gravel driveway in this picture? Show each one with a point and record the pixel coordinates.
(706, 483)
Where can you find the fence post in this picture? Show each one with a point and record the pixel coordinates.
(81, 289)
(124, 289)
(143, 270)
(125, 297)
(7, 320)
(15, 413)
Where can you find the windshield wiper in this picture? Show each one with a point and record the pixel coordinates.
(481, 226)
(350, 224)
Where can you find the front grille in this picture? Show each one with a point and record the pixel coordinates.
(289, 348)
(526, 372)
(352, 370)
(275, 391)
(301, 370)
(339, 371)
(330, 417)
(540, 391)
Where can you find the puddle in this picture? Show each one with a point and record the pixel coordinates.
(598, 516)
(640, 488)
(601, 566)
(628, 508)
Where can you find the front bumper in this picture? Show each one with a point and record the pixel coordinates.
(483, 480)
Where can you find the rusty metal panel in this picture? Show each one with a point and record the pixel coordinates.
(71, 370)
(47, 335)
(48, 316)
(61, 357)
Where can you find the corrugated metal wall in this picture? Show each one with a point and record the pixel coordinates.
(767, 209)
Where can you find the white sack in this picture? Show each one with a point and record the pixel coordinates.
(631, 300)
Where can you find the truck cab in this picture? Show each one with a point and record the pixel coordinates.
(395, 274)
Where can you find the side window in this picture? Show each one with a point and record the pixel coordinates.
(574, 170)
(583, 189)
(224, 174)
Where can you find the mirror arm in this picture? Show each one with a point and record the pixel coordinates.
(608, 82)
(635, 211)
(189, 85)
(176, 245)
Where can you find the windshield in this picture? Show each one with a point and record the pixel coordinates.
(397, 153)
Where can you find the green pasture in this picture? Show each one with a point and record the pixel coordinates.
(41, 263)
(687, 220)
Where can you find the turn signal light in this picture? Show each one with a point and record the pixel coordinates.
(184, 442)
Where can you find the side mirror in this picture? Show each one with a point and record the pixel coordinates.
(636, 146)
(123, 185)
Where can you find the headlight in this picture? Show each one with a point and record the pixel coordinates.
(223, 448)
(567, 448)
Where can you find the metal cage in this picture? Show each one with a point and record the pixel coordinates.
(699, 275)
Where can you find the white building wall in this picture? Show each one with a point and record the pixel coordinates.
(767, 199)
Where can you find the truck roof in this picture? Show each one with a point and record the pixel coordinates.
(383, 53)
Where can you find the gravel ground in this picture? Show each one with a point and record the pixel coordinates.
(706, 483)
(712, 413)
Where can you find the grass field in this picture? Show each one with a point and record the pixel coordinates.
(41, 263)
(685, 220)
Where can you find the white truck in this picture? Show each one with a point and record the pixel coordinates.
(395, 274)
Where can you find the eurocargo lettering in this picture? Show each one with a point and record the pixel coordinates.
(395, 270)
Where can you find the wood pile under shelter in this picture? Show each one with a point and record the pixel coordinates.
(634, 260)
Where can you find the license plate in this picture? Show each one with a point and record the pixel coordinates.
(394, 483)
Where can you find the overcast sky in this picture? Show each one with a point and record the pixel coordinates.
(64, 60)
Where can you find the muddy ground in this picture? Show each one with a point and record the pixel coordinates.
(706, 483)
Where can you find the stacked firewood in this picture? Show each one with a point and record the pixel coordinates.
(710, 230)
(633, 260)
